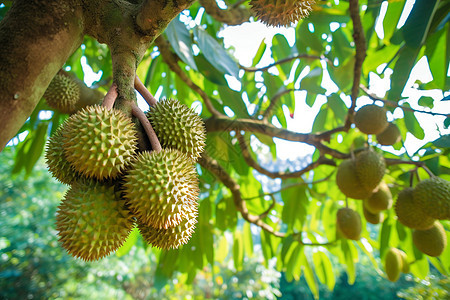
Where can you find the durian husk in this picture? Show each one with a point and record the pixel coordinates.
(432, 241)
(172, 237)
(178, 127)
(281, 13)
(381, 199)
(410, 213)
(393, 264)
(371, 119)
(370, 168)
(348, 181)
(161, 188)
(62, 94)
(433, 195)
(100, 142)
(348, 223)
(92, 221)
(390, 136)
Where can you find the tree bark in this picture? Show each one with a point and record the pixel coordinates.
(36, 38)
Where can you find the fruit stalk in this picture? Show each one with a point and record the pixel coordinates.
(145, 93)
(110, 97)
(154, 141)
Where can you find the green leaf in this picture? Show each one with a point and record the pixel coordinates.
(296, 204)
(426, 101)
(405, 62)
(233, 100)
(209, 71)
(238, 251)
(346, 251)
(436, 52)
(309, 276)
(443, 141)
(390, 21)
(248, 240)
(180, 39)
(412, 124)
(320, 120)
(324, 269)
(36, 147)
(293, 269)
(338, 107)
(280, 50)
(215, 53)
(222, 249)
(385, 235)
(259, 53)
(129, 243)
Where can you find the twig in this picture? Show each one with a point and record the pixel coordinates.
(360, 55)
(154, 141)
(274, 101)
(252, 163)
(145, 93)
(282, 61)
(267, 211)
(110, 97)
(234, 15)
(395, 104)
(171, 60)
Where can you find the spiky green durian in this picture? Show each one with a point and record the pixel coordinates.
(161, 188)
(170, 238)
(371, 119)
(409, 212)
(92, 220)
(432, 241)
(100, 142)
(381, 199)
(433, 195)
(56, 160)
(62, 94)
(375, 218)
(370, 168)
(393, 264)
(348, 222)
(348, 182)
(281, 12)
(178, 127)
(390, 135)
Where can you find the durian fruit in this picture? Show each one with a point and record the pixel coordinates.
(100, 142)
(348, 181)
(375, 218)
(178, 127)
(409, 212)
(92, 220)
(370, 168)
(56, 160)
(281, 13)
(62, 94)
(433, 195)
(348, 223)
(389, 136)
(432, 241)
(371, 119)
(172, 237)
(393, 264)
(405, 264)
(162, 188)
(381, 199)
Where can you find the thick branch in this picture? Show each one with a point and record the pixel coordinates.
(280, 174)
(360, 55)
(234, 15)
(36, 38)
(171, 60)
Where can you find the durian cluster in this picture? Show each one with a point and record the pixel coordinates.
(114, 186)
(281, 12)
(371, 119)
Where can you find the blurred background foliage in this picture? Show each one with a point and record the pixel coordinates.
(228, 258)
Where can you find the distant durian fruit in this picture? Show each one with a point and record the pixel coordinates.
(371, 119)
(389, 136)
(433, 195)
(375, 218)
(393, 264)
(62, 94)
(100, 142)
(410, 213)
(348, 223)
(161, 188)
(172, 237)
(381, 199)
(432, 241)
(92, 220)
(178, 127)
(281, 13)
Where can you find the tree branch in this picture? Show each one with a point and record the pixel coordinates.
(234, 15)
(154, 141)
(110, 97)
(171, 60)
(395, 104)
(145, 93)
(280, 174)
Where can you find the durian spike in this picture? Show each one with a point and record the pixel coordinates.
(154, 141)
(145, 93)
(110, 97)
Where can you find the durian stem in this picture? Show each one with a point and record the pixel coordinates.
(110, 97)
(151, 134)
(427, 170)
(145, 93)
